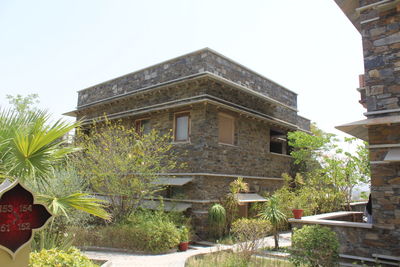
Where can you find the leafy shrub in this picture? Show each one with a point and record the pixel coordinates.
(314, 245)
(146, 231)
(58, 258)
(184, 234)
(312, 195)
(248, 232)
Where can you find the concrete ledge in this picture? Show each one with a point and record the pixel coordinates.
(326, 219)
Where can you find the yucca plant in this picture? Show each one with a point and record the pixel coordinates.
(217, 219)
(274, 216)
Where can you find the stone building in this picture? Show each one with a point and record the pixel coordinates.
(379, 25)
(227, 121)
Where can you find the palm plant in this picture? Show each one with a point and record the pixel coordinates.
(274, 216)
(29, 146)
(31, 149)
(231, 201)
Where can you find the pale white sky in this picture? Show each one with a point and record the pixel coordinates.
(55, 48)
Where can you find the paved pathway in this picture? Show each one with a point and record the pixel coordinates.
(176, 259)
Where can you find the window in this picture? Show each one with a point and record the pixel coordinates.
(142, 126)
(278, 142)
(226, 129)
(182, 127)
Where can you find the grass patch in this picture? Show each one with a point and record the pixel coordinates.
(226, 240)
(229, 259)
(280, 249)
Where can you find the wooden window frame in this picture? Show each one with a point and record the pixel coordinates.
(182, 114)
(140, 133)
(233, 128)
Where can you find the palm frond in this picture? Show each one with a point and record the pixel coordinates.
(80, 201)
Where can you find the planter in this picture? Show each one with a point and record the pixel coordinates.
(297, 213)
(183, 246)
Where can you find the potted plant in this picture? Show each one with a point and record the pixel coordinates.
(297, 212)
(184, 244)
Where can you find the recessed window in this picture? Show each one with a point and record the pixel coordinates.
(275, 147)
(142, 126)
(226, 129)
(182, 127)
(278, 142)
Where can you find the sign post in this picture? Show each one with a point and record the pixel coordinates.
(19, 217)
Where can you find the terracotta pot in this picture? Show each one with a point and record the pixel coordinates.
(297, 213)
(183, 246)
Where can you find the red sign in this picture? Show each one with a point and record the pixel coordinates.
(18, 217)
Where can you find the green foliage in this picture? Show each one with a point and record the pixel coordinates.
(248, 233)
(67, 200)
(313, 195)
(216, 220)
(122, 164)
(276, 217)
(24, 104)
(53, 237)
(314, 245)
(238, 186)
(330, 172)
(54, 258)
(32, 150)
(184, 234)
(30, 147)
(229, 259)
(230, 202)
(147, 231)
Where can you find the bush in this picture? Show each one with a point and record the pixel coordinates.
(314, 245)
(248, 232)
(146, 231)
(311, 195)
(58, 258)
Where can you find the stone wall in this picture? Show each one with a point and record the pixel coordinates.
(379, 25)
(249, 156)
(216, 187)
(202, 87)
(224, 92)
(385, 191)
(381, 43)
(201, 61)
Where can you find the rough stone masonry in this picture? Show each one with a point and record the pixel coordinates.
(204, 84)
(379, 23)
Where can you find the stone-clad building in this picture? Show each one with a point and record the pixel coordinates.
(378, 22)
(230, 121)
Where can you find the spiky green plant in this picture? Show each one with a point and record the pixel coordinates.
(274, 216)
(217, 219)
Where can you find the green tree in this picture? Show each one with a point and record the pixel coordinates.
(309, 149)
(328, 169)
(124, 165)
(31, 149)
(276, 217)
(23, 104)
